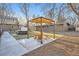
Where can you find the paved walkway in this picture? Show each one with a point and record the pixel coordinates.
(66, 46)
(10, 47)
(32, 44)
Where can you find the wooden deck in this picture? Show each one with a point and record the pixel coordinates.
(66, 46)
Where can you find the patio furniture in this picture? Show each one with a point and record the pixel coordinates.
(22, 32)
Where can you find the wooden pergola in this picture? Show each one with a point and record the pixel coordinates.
(41, 20)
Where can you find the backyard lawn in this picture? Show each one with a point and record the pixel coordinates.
(32, 33)
(49, 35)
(18, 37)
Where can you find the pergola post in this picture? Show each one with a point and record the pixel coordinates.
(41, 32)
(54, 30)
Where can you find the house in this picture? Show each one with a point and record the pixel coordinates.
(50, 28)
(61, 27)
(77, 26)
(7, 22)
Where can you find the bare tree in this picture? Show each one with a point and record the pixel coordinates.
(3, 13)
(5, 9)
(74, 7)
(53, 12)
(69, 15)
(60, 15)
(72, 20)
(34, 16)
(25, 9)
(48, 10)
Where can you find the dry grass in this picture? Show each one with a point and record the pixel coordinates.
(49, 35)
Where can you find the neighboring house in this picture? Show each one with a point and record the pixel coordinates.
(50, 28)
(61, 27)
(77, 26)
(8, 23)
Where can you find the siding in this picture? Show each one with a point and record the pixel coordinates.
(8, 27)
(50, 28)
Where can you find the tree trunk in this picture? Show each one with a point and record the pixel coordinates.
(27, 28)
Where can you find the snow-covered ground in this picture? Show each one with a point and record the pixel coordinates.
(32, 44)
(10, 46)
